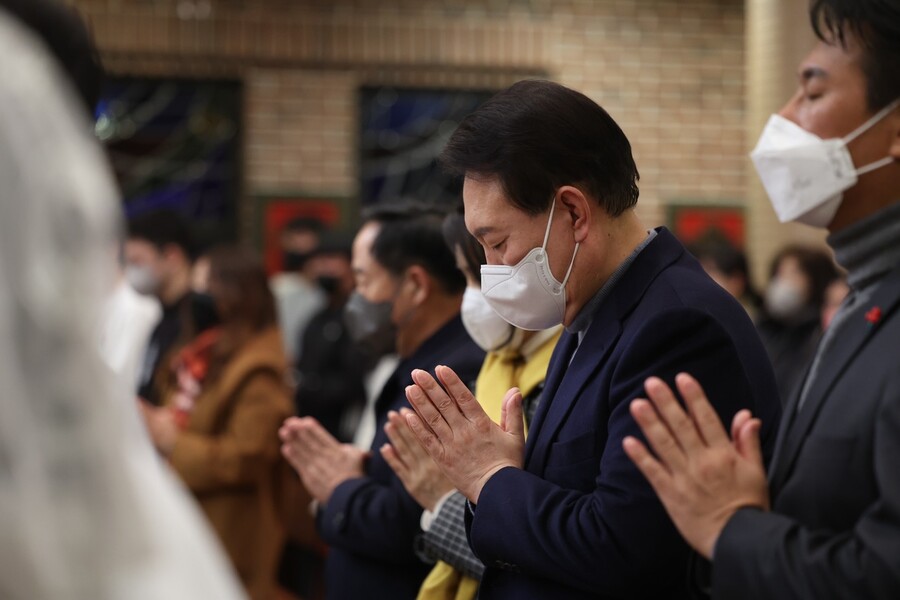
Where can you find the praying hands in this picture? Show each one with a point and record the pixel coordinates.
(457, 433)
(701, 477)
(319, 458)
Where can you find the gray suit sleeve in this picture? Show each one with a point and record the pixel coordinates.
(446, 540)
(767, 555)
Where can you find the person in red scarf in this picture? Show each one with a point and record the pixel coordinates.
(219, 421)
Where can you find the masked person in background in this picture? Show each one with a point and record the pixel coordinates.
(516, 359)
(297, 296)
(222, 408)
(790, 325)
(825, 524)
(330, 376)
(408, 296)
(159, 253)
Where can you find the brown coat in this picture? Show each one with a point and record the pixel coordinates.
(229, 457)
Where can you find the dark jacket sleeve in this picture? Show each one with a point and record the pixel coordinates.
(766, 555)
(372, 518)
(603, 540)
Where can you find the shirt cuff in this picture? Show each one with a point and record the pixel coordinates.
(428, 515)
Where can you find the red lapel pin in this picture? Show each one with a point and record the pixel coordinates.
(873, 315)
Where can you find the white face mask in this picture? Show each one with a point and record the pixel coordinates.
(485, 326)
(804, 175)
(783, 299)
(142, 279)
(527, 295)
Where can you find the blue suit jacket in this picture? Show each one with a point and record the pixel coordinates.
(580, 521)
(371, 522)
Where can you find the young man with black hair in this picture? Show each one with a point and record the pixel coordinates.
(408, 296)
(550, 188)
(159, 253)
(826, 522)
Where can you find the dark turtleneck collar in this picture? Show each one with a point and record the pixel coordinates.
(870, 248)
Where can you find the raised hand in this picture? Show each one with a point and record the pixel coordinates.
(322, 461)
(701, 476)
(420, 475)
(457, 433)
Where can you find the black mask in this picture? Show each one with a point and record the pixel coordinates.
(329, 283)
(369, 324)
(295, 261)
(204, 313)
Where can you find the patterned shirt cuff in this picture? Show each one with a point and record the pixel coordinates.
(428, 515)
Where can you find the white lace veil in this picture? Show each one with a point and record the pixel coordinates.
(86, 511)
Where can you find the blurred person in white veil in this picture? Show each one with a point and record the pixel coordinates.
(86, 509)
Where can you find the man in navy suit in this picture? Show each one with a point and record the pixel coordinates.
(408, 296)
(549, 191)
(826, 523)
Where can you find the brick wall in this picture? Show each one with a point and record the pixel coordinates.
(670, 72)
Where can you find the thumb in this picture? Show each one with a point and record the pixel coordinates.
(747, 439)
(511, 419)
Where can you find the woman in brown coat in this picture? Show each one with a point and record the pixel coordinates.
(219, 425)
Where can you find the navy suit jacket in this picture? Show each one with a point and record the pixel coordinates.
(370, 523)
(834, 529)
(580, 521)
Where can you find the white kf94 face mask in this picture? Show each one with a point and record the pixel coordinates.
(488, 329)
(527, 295)
(804, 175)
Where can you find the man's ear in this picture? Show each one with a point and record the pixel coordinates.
(895, 142)
(422, 283)
(579, 207)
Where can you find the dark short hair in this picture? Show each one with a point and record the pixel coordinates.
(537, 136)
(457, 236)
(728, 259)
(410, 234)
(63, 32)
(304, 224)
(334, 243)
(162, 228)
(876, 25)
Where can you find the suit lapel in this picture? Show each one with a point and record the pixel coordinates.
(566, 381)
(598, 341)
(788, 416)
(559, 363)
(857, 330)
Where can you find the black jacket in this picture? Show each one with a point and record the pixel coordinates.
(371, 522)
(330, 372)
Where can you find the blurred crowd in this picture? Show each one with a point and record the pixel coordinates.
(324, 418)
(221, 356)
(804, 290)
